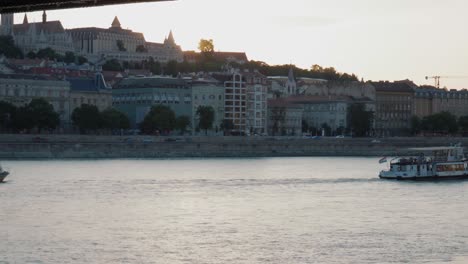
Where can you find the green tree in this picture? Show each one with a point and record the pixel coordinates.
(415, 125)
(9, 49)
(182, 122)
(227, 125)
(31, 55)
(443, 122)
(206, 46)
(161, 118)
(206, 116)
(7, 114)
(120, 45)
(359, 119)
(463, 124)
(305, 126)
(47, 53)
(82, 60)
(112, 65)
(114, 119)
(171, 68)
(69, 57)
(87, 118)
(24, 119)
(43, 114)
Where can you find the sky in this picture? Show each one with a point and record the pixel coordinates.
(374, 39)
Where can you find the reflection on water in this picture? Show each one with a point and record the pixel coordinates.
(272, 210)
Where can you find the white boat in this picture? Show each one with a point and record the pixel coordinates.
(436, 163)
(3, 174)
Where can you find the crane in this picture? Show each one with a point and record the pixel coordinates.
(437, 79)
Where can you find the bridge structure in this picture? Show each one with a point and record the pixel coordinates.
(20, 6)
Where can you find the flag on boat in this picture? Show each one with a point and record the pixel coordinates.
(383, 160)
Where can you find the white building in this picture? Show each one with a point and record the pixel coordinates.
(35, 36)
(122, 44)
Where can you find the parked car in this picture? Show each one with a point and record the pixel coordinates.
(39, 139)
(148, 140)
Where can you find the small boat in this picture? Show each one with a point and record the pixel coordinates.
(3, 174)
(436, 163)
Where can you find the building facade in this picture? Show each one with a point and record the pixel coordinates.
(136, 96)
(35, 36)
(122, 44)
(429, 100)
(394, 108)
(21, 89)
(208, 93)
(284, 118)
(91, 91)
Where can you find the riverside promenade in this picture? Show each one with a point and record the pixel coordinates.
(109, 147)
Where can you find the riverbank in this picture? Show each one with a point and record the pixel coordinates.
(108, 147)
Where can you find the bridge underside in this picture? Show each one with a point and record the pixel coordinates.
(20, 6)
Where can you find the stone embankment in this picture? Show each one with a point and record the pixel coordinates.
(77, 146)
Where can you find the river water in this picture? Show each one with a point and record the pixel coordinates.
(268, 210)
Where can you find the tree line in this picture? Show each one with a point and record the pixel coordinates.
(443, 123)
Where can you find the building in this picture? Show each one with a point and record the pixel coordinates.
(35, 36)
(208, 92)
(236, 57)
(91, 91)
(122, 44)
(394, 108)
(284, 117)
(245, 100)
(21, 89)
(136, 96)
(429, 100)
(282, 86)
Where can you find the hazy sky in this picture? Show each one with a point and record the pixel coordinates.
(375, 39)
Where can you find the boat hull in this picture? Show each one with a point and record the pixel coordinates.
(425, 178)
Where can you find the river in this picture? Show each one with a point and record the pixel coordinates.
(266, 210)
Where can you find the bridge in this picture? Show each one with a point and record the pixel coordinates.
(20, 6)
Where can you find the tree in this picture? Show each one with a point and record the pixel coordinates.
(48, 53)
(69, 57)
(87, 117)
(305, 126)
(227, 125)
(206, 116)
(443, 122)
(415, 125)
(360, 120)
(82, 60)
(43, 114)
(24, 119)
(9, 49)
(172, 68)
(463, 124)
(112, 65)
(160, 117)
(113, 119)
(120, 45)
(206, 46)
(31, 55)
(141, 48)
(182, 122)
(7, 114)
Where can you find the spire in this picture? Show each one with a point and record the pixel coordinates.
(25, 20)
(116, 23)
(291, 75)
(44, 17)
(170, 39)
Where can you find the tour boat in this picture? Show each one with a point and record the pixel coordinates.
(436, 163)
(3, 174)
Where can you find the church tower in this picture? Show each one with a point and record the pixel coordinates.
(6, 28)
(291, 83)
